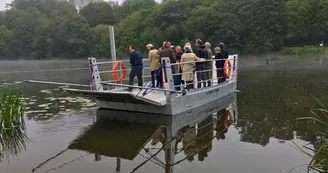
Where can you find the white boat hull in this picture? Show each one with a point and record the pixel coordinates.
(178, 104)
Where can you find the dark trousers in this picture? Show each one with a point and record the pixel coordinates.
(177, 82)
(136, 71)
(156, 77)
(190, 85)
(220, 76)
(200, 77)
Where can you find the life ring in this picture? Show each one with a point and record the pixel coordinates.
(114, 71)
(227, 69)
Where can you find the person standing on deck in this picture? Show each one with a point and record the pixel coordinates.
(154, 65)
(225, 53)
(188, 68)
(136, 66)
(209, 64)
(224, 50)
(219, 62)
(178, 54)
(200, 52)
(168, 52)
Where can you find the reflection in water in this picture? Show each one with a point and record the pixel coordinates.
(12, 141)
(156, 139)
(118, 134)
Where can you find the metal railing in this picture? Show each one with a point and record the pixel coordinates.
(147, 70)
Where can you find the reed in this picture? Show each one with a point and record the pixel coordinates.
(11, 107)
(319, 160)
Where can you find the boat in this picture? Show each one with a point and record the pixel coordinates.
(168, 101)
(113, 94)
(129, 136)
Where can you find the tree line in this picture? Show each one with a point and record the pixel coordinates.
(49, 28)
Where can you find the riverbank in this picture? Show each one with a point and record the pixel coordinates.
(302, 51)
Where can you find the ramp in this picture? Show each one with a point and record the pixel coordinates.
(121, 97)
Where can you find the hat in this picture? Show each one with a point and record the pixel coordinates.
(149, 45)
(217, 49)
(208, 44)
(187, 47)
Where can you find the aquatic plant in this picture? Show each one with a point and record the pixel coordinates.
(12, 141)
(319, 160)
(11, 107)
(12, 126)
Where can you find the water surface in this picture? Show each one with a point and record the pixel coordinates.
(67, 131)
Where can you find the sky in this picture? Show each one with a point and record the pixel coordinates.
(4, 2)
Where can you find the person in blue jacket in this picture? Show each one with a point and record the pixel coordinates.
(136, 66)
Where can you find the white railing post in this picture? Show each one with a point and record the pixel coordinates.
(95, 79)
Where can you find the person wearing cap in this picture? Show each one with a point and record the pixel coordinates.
(219, 63)
(209, 64)
(188, 68)
(154, 64)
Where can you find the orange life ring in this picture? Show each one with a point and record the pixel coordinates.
(114, 71)
(227, 69)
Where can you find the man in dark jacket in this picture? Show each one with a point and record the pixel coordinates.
(136, 66)
(201, 52)
(219, 61)
(224, 51)
(168, 52)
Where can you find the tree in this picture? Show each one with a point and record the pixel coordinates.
(24, 30)
(265, 25)
(101, 41)
(130, 6)
(73, 38)
(98, 13)
(5, 38)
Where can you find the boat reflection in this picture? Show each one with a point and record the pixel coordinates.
(127, 135)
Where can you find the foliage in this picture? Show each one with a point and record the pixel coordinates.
(11, 108)
(5, 38)
(302, 51)
(320, 158)
(49, 28)
(98, 13)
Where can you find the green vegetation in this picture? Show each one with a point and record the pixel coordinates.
(12, 126)
(302, 51)
(320, 158)
(11, 108)
(49, 28)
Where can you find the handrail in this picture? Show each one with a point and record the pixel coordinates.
(176, 74)
(190, 62)
(132, 86)
(112, 62)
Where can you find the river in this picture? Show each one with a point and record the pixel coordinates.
(64, 133)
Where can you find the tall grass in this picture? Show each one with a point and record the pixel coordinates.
(319, 160)
(11, 107)
(12, 126)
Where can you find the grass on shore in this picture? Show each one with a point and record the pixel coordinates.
(302, 51)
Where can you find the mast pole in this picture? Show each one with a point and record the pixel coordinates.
(112, 43)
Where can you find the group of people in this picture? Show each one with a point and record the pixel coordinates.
(183, 72)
